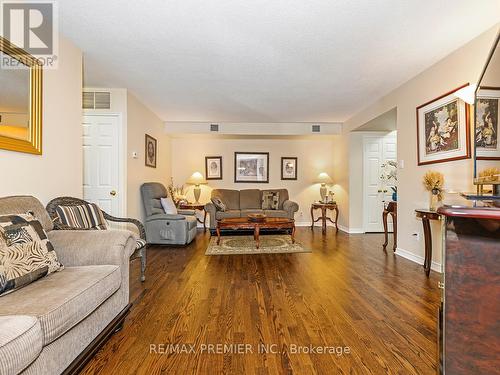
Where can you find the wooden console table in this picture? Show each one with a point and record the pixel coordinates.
(323, 207)
(427, 215)
(392, 209)
(196, 206)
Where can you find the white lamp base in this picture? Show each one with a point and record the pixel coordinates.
(322, 192)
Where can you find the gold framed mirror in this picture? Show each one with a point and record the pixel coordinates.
(20, 100)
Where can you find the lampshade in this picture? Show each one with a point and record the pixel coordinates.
(196, 179)
(324, 178)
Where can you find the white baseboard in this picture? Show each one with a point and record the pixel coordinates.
(417, 259)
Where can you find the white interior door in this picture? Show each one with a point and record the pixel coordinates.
(376, 151)
(101, 162)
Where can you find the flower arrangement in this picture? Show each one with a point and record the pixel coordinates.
(176, 192)
(390, 173)
(433, 182)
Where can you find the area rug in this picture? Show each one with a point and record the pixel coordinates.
(269, 244)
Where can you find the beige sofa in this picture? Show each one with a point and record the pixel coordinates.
(58, 322)
(240, 203)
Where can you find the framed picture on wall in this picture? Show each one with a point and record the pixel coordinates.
(213, 167)
(487, 118)
(151, 150)
(443, 132)
(251, 167)
(288, 168)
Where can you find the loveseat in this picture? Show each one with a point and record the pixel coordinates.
(240, 203)
(55, 323)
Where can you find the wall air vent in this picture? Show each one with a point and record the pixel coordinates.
(96, 100)
(214, 127)
(316, 129)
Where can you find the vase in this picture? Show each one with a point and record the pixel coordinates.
(395, 196)
(433, 201)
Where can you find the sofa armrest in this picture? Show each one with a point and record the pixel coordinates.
(93, 247)
(291, 207)
(210, 208)
(165, 217)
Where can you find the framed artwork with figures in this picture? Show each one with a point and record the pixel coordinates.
(443, 130)
(213, 167)
(288, 168)
(251, 167)
(487, 118)
(151, 150)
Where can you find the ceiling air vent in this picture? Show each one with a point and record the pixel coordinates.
(316, 129)
(96, 100)
(214, 127)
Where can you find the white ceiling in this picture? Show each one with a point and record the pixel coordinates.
(266, 60)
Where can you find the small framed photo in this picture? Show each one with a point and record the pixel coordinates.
(213, 167)
(443, 132)
(151, 150)
(288, 168)
(487, 118)
(251, 167)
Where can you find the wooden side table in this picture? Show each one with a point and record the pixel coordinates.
(426, 215)
(198, 207)
(392, 209)
(324, 207)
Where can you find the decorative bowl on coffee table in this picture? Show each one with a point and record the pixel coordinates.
(257, 218)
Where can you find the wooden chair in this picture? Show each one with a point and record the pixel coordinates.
(141, 245)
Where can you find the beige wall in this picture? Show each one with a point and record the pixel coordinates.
(463, 65)
(314, 156)
(141, 120)
(59, 170)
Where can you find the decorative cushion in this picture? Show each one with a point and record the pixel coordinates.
(139, 243)
(168, 206)
(219, 205)
(270, 200)
(83, 216)
(21, 342)
(26, 254)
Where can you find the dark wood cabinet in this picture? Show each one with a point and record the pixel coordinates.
(469, 322)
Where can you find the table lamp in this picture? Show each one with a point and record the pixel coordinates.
(323, 179)
(196, 179)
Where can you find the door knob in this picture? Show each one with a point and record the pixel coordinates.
(112, 193)
(385, 191)
(379, 190)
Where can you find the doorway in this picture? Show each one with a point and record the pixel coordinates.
(102, 164)
(377, 150)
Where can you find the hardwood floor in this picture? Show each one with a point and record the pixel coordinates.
(347, 293)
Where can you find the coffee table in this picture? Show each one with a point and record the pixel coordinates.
(243, 223)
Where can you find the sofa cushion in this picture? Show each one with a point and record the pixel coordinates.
(21, 342)
(270, 200)
(250, 198)
(81, 216)
(23, 204)
(283, 196)
(61, 300)
(228, 214)
(276, 213)
(231, 198)
(26, 254)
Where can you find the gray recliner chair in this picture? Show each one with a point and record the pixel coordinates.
(162, 228)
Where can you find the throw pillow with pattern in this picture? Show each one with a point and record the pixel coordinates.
(270, 200)
(26, 253)
(82, 216)
(219, 205)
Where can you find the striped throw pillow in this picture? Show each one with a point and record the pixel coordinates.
(84, 216)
